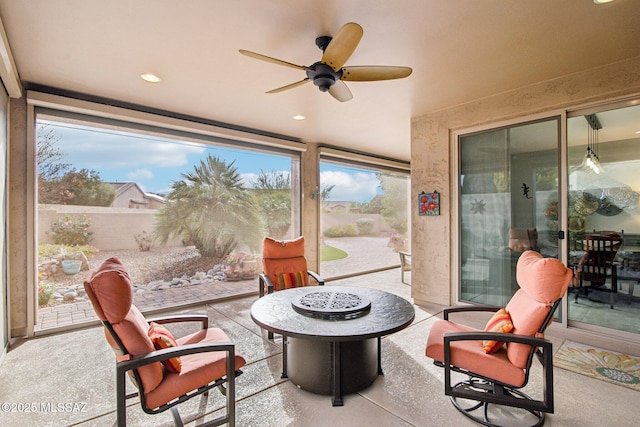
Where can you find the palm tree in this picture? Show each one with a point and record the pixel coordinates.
(273, 198)
(210, 208)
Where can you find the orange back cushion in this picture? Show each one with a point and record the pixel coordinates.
(272, 248)
(542, 281)
(110, 291)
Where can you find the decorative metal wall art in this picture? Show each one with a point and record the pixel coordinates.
(429, 204)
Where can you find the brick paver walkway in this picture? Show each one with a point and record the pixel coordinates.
(65, 315)
(365, 253)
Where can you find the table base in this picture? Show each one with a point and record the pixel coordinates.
(333, 368)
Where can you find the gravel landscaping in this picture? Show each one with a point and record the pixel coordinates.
(158, 268)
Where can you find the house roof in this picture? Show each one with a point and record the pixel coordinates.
(123, 187)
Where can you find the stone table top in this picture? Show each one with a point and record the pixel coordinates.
(389, 313)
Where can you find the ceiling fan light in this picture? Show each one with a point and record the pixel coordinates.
(324, 82)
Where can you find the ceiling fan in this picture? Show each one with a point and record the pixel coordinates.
(328, 73)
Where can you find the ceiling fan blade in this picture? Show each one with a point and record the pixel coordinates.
(373, 73)
(291, 86)
(342, 45)
(340, 91)
(272, 60)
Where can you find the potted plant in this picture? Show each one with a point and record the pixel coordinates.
(239, 266)
(71, 266)
(398, 242)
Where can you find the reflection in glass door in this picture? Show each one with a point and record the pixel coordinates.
(604, 194)
(508, 204)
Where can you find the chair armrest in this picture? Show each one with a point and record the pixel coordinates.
(537, 343)
(168, 353)
(496, 336)
(263, 280)
(469, 308)
(203, 318)
(316, 277)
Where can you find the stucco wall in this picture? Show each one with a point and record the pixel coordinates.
(433, 239)
(20, 193)
(112, 228)
(310, 176)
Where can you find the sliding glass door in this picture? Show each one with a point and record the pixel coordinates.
(604, 205)
(508, 203)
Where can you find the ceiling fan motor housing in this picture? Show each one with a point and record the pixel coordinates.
(323, 75)
(328, 73)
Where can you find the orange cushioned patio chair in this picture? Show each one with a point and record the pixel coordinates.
(284, 266)
(166, 371)
(498, 360)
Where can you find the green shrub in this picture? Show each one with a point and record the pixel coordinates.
(346, 230)
(72, 230)
(45, 290)
(144, 241)
(47, 250)
(365, 226)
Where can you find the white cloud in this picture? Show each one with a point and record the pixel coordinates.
(140, 174)
(359, 186)
(248, 178)
(104, 149)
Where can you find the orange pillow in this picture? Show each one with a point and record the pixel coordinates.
(162, 338)
(499, 322)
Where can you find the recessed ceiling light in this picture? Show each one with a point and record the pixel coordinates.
(638, 131)
(149, 77)
(299, 117)
(602, 1)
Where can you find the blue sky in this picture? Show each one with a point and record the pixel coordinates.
(153, 163)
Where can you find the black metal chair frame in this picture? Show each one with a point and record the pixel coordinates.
(599, 265)
(264, 281)
(226, 384)
(486, 390)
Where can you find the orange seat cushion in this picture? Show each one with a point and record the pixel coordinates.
(197, 369)
(470, 355)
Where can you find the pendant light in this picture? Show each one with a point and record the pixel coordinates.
(591, 160)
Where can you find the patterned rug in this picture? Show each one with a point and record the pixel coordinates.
(620, 369)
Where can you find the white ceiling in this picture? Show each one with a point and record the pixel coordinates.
(460, 50)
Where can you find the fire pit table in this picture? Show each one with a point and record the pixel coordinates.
(332, 334)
